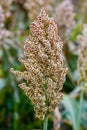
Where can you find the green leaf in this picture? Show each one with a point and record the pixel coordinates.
(84, 114)
(72, 109)
(75, 32)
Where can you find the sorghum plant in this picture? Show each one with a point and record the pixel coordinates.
(82, 69)
(82, 64)
(82, 60)
(64, 13)
(44, 74)
(3, 32)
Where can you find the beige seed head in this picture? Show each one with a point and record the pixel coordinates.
(43, 61)
(82, 59)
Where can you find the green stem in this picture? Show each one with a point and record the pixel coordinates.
(45, 123)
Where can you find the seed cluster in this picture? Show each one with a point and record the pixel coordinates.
(82, 64)
(43, 61)
(82, 60)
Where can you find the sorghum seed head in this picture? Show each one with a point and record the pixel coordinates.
(44, 65)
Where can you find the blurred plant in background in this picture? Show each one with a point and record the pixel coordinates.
(16, 111)
(33, 7)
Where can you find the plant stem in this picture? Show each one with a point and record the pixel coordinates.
(45, 123)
